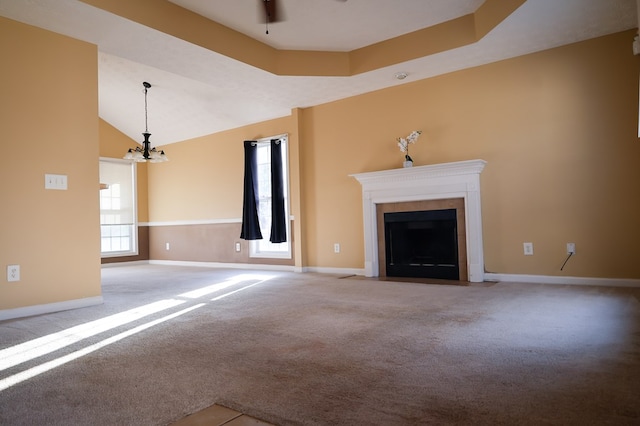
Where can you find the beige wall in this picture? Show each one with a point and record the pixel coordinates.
(204, 177)
(48, 124)
(203, 181)
(559, 132)
(558, 129)
(213, 243)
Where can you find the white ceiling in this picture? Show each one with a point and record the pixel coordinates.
(196, 92)
(331, 24)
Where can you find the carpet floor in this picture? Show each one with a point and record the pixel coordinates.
(318, 349)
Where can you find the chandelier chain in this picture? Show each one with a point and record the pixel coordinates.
(146, 127)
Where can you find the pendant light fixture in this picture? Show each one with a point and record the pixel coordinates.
(146, 153)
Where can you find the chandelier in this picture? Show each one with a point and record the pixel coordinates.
(145, 153)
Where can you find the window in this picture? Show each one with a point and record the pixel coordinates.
(265, 248)
(118, 218)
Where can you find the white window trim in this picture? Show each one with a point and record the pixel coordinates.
(135, 250)
(254, 251)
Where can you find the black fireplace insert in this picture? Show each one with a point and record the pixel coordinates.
(422, 244)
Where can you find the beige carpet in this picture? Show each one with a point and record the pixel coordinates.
(311, 349)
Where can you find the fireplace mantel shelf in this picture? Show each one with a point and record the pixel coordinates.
(432, 182)
(460, 168)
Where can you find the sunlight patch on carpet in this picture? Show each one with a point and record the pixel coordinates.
(27, 351)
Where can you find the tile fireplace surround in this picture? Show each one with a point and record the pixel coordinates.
(434, 182)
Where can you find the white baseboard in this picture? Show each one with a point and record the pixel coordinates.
(129, 263)
(48, 308)
(515, 278)
(252, 266)
(549, 279)
(339, 271)
(255, 266)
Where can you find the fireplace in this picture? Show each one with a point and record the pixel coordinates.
(435, 187)
(421, 244)
(426, 210)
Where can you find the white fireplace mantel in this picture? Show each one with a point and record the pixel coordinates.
(434, 182)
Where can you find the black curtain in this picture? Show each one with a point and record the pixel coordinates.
(278, 215)
(250, 224)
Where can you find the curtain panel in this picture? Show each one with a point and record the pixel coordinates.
(250, 224)
(250, 221)
(278, 214)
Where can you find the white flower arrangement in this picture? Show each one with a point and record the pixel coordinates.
(404, 143)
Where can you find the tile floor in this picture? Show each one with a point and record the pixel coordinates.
(218, 415)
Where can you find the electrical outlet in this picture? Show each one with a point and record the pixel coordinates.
(336, 248)
(238, 247)
(571, 248)
(167, 246)
(13, 273)
(528, 249)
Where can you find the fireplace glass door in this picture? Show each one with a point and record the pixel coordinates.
(422, 244)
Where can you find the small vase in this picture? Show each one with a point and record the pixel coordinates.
(407, 164)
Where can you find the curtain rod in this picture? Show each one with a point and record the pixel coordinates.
(269, 139)
(255, 143)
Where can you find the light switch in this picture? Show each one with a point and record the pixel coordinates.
(52, 181)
